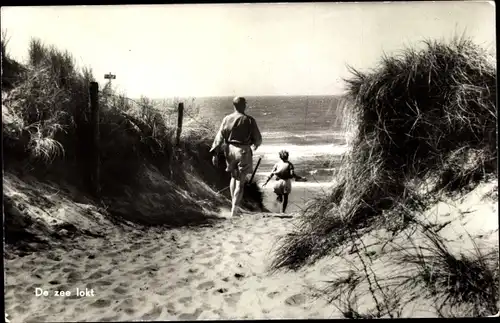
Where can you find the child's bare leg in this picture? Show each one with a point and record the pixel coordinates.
(285, 203)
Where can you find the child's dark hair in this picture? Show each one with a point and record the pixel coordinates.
(283, 154)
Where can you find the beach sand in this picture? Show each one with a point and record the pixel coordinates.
(219, 271)
(302, 192)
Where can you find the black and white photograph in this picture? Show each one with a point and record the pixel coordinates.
(232, 161)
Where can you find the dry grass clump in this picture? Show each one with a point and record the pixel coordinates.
(451, 283)
(460, 284)
(46, 96)
(422, 124)
(48, 133)
(421, 118)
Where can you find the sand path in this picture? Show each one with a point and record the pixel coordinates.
(213, 272)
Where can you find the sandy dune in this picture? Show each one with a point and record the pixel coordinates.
(215, 272)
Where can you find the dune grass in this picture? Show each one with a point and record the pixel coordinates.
(452, 283)
(423, 124)
(460, 284)
(46, 133)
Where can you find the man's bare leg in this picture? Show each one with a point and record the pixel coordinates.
(232, 187)
(238, 194)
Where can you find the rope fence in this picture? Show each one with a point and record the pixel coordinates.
(167, 110)
(91, 122)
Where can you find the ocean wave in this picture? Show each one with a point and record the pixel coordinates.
(300, 152)
(285, 134)
(306, 185)
(321, 170)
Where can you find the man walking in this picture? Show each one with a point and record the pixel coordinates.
(236, 136)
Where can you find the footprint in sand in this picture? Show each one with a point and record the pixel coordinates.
(183, 282)
(74, 277)
(20, 309)
(206, 285)
(137, 246)
(198, 277)
(235, 255)
(113, 318)
(112, 254)
(37, 319)
(101, 303)
(129, 311)
(120, 290)
(99, 283)
(171, 308)
(218, 312)
(92, 266)
(185, 245)
(191, 316)
(96, 275)
(295, 300)
(165, 290)
(185, 300)
(271, 295)
(151, 251)
(153, 314)
(201, 252)
(124, 305)
(124, 284)
(220, 291)
(24, 297)
(233, 298)
(207, 264)
(138, 271)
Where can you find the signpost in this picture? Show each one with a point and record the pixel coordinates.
(109, 77)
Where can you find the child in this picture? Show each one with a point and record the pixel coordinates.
(284, 172)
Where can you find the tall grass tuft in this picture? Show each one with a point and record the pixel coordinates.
(421, 124)
(460, 284)
(422, 121)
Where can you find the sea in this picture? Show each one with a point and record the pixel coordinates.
(308, 127)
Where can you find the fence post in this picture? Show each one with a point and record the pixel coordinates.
(94, 126)
(180, 115)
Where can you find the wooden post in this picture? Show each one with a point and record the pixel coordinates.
(255, 170)
(94, 126)
(180, 115)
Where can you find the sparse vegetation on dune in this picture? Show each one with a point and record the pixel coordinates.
(461, 283)
(144, 177)
(424, 127)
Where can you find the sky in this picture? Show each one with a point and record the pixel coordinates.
(240, 49)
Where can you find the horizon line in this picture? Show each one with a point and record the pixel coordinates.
(245, 96)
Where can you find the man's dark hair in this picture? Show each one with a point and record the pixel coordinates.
(239, 103)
